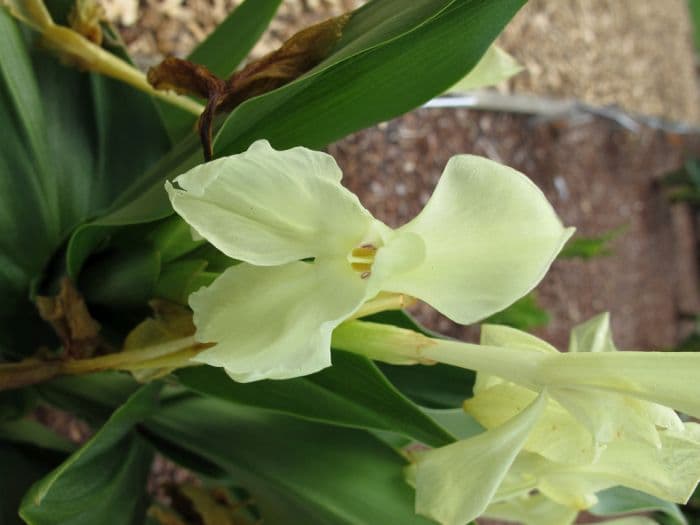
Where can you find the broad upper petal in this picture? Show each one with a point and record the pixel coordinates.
(490, 235)
(269, 207)
(275, 322)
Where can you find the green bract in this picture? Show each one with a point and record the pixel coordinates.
(486, 237)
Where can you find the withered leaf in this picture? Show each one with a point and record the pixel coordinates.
(85, 18)
(67, 313)
(185, 78)
(197, 505)
(295, 57)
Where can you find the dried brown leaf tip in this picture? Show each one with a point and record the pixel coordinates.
(85, 17)
(296, 56)
(67, 313)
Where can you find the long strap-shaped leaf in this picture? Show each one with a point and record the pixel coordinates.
(353, 392)
(103, 481)
(296, 471)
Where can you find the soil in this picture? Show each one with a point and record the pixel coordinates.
(637, 54)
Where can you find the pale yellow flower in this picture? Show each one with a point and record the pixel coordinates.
(313, 255)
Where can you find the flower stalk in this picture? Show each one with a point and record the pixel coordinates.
(71, 45)
(399, 346)
(175, 353)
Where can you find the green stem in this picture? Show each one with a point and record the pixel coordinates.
(94, 58)
(391, 344)
(70, 44)
(33, 371)
(179, 359)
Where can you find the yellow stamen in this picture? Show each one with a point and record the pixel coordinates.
(361, 267)
(366, 250)
(362, 258)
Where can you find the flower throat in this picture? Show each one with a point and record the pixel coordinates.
(362, 258)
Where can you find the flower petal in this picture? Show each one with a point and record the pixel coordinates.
(490, 236)
(401, 252)
(502, 335)
(532, 509)
(494, 67)
(269, 207)
(670, 472)
(455, 483)
(275, 322)
(667, 378)
(610, 416)
(593, 336)
(507, 337)
(556, 435)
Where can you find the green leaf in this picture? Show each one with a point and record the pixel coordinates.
(103, 481)
(172, 238)
(421, 47)
(457, 421)
(623, 500)
(694, 6)
(589, 247)
(352, 392)
(91, 397)
(77, 142)
(26, 465)
(15, 404)
(437, 386)
(27, 204)
(179, 279)
(145, 201)
(296, 471)
(524, 314)
(30, 432)
(121, 278)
